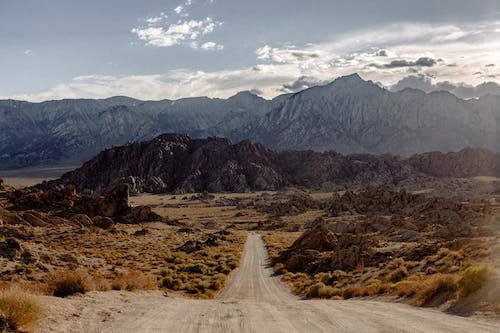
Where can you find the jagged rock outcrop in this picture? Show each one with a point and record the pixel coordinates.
(85, 210)
(418, 224)
(179, 163)
(466, 163)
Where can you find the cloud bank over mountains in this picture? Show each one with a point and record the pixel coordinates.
(461, 58)
(460, 89)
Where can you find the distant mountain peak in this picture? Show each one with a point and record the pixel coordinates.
(353, 76)
(352, 80)
(246, 94)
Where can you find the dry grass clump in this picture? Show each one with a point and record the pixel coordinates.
(18, 311)
(436, 285)
(134, 280)
(322, 291)
(372, 289)
(398, 274)
(376, 288)
(406, 288)
(472, 279)
(201, 273)
(99, 283)
(67, 283)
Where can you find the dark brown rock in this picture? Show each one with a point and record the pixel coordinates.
(177, 163)
(191, 246)
(11, 248)
(103, 222)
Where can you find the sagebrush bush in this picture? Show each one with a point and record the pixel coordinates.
(437, 284)
(67, 283)
(398, 274)
(280, 269)
(18, 311)
(322, 291)
(472, 279)
(351, 291)
(405, 288)
(376, 288)
(133, 281)
(313, 291)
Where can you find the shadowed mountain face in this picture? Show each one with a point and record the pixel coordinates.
(348, 115)
(178, 163)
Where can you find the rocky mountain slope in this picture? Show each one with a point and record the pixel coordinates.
(69, 131)
(179, 163)
(349, 115)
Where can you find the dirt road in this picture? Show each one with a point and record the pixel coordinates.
(254, 301)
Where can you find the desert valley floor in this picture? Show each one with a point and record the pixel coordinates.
(209, 268)
(254, 301)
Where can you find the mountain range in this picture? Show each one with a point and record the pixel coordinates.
(348, 115)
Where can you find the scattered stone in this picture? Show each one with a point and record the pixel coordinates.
(141, 232)
(82, 220)
(103, 222)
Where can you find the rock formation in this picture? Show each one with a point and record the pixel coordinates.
(85, 210)
(373, 226)
(179, 163)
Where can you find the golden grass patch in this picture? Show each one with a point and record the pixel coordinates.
(18, 311)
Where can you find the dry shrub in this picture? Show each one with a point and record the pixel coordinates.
(405, 288)
(376, 288)
(472, 279)
(30, 287)
(100, 284)
(134, 281)
(351, 291)
(18, 311)
(436, 285)
(67, 283)
(322, 291)
(398, 274)
(280, 269)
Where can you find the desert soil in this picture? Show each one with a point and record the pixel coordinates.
(254, 301)
(20, 178)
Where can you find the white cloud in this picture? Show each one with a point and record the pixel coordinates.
(26, 52)
(211, 46)
(172, 85)
(287, 55)
(188, 32)
(182, 32)
(460, 89)
(376, 53)
(179, 9)
(154, 19)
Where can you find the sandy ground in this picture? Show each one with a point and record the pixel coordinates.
(254, 301)
(24, 177)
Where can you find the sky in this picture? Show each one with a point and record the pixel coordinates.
(152, 49)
